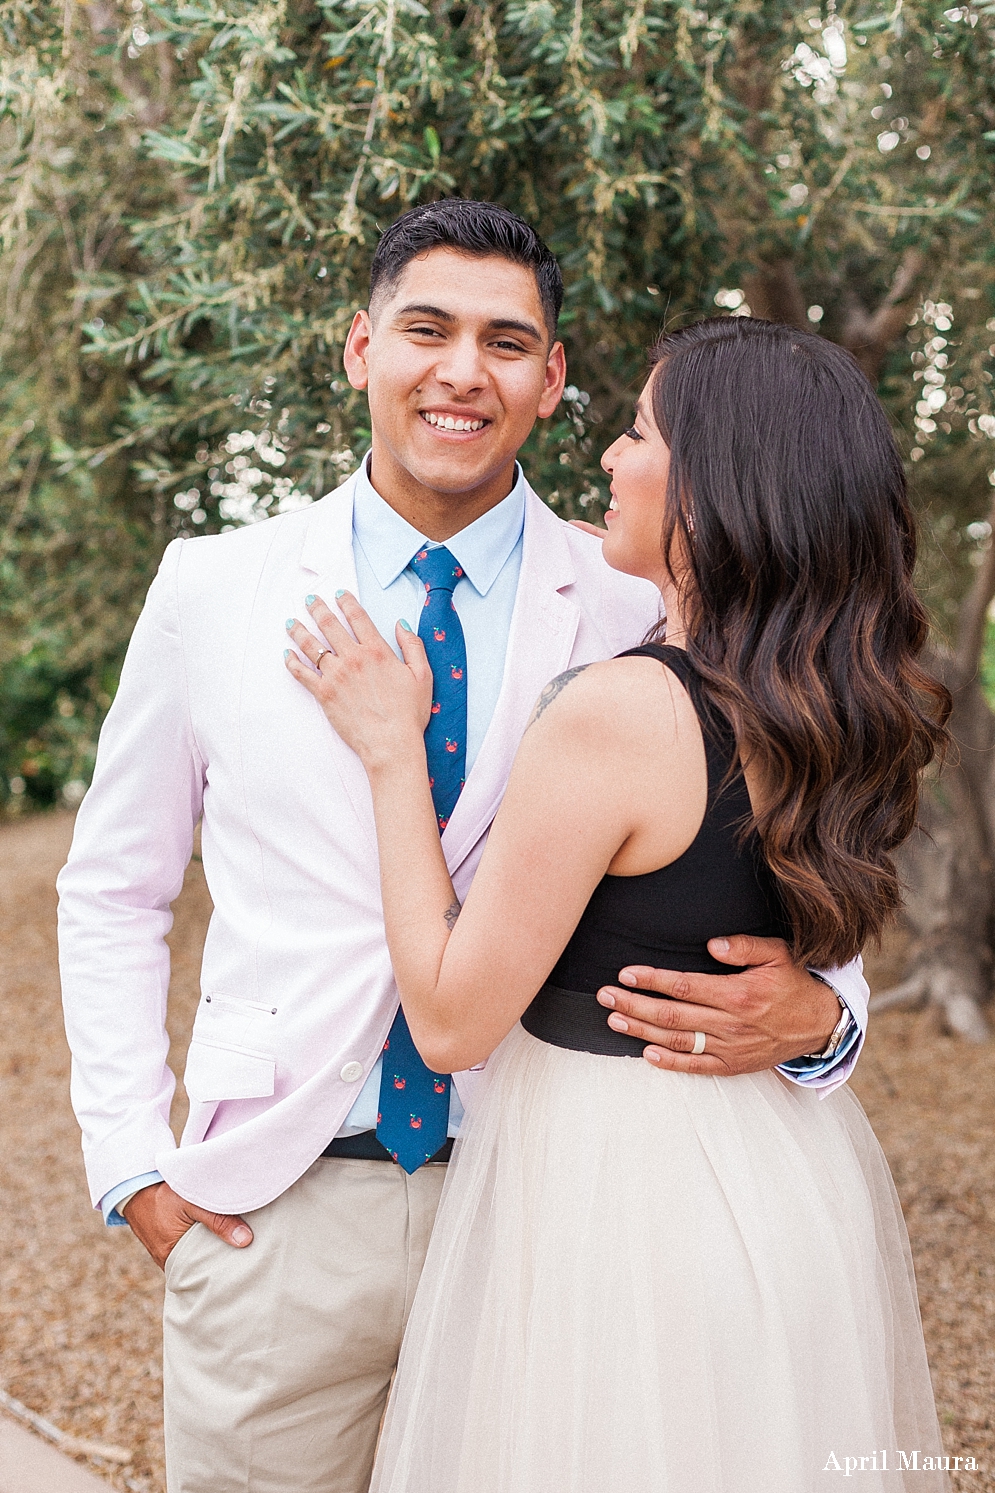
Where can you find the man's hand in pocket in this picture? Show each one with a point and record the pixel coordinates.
(160, 1217)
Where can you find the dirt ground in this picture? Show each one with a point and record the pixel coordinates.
(80, 1304)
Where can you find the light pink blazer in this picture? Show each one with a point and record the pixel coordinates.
(297, 995)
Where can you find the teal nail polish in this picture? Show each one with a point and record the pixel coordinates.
(338, 594)
(309, 601)
(289, 624)
(286, 653)
(406, 625)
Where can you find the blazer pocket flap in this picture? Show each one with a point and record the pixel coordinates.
(215, 1071)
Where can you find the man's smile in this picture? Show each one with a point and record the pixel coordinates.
(441, 419)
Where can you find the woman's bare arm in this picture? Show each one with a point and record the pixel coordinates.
(587, 793)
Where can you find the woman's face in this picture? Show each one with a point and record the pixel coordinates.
(638, 464)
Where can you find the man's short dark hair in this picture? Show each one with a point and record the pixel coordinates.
(476, 228)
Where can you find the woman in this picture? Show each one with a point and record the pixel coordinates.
(644, 1282)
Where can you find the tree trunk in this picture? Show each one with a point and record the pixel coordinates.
(946, 869)
(947, 864)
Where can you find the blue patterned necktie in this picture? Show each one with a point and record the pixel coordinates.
(414, 1102)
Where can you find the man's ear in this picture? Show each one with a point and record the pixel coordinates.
(556, 377)
(355, 356)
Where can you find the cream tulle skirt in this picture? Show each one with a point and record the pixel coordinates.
(643, 1282)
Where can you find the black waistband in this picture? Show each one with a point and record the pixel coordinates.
(574, 1019)
(366, 1147)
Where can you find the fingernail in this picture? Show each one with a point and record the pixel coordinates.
(606, 998)
(289, 624)
(618, 1023)
(309, 601)
(651, 1055)
(286, 653)
(721, 945)
(338, 594)
(626, 979)
(241, 1235)
(406, 625)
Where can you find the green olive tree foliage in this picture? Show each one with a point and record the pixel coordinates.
(192, 193)
(78, 538)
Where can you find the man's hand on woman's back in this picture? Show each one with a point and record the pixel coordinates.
(770, 1013)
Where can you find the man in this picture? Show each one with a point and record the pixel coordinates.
(282, 1327)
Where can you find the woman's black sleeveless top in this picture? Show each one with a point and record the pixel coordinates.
(720, 885)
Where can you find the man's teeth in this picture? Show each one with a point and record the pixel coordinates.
(450, 422)
(613, 505)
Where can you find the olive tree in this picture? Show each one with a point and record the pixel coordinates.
(192, 193)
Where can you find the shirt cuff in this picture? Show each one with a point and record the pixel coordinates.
(808, 1070)
(123, 1193)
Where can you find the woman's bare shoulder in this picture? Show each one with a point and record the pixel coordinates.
(626, 695)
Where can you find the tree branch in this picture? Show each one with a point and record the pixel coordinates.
(910, 992)
(21, 503)
(869, 335)
(774, 294)
(973, 615)
(104, 23)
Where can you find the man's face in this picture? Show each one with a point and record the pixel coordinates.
(462, 342)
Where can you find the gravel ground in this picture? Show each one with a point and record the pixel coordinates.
(80, 1304)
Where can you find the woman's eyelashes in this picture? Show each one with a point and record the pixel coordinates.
(632, 433)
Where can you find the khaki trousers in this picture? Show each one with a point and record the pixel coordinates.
(278, 1358)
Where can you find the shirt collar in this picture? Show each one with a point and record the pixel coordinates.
(388, 541)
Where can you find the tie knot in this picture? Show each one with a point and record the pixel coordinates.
(437, 569)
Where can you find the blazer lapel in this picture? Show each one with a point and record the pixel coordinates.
(543, 627)
(328, 563)
(327, 553)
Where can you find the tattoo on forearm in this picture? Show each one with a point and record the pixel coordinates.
(451, 913)
(551, 691)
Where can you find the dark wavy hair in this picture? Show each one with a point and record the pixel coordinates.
(787, 497)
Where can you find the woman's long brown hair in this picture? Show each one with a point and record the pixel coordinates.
(787, 497)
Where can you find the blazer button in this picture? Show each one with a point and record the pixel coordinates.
(351, 1072)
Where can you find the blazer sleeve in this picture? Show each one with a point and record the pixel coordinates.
(132, 842)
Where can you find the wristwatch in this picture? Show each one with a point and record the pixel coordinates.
(841, 1030)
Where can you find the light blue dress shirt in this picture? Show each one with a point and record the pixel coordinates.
(490, 553)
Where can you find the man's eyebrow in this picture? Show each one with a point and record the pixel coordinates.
(416, 309)
(525, 327)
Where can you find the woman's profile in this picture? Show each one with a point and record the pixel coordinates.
(646, 1282)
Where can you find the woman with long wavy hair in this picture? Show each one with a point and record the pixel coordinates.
(644, 1281)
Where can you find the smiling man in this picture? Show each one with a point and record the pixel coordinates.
(293, 1218)
(458, 359)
